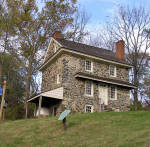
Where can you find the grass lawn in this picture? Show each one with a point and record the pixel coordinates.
(119, 129)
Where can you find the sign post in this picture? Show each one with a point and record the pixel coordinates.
(63, 116)
(2, 102)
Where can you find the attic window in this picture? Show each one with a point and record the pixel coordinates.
(55, 49)
(112, 71)
(88, 65)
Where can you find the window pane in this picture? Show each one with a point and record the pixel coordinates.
(112, 93)
(112, 70)
(88, 108)
(88, 65)
(88, 88)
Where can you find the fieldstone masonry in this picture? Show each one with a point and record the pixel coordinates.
(67, 66)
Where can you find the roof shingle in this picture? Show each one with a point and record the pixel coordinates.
(90, 50)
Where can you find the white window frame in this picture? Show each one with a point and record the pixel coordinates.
(58, 78)
(114, 70)
(91, 88)
(91, 108)
(91, 70)
(115, 95)
(55, 49)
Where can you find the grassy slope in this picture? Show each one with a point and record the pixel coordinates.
(92, 130)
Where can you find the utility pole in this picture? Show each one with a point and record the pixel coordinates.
(3, 99)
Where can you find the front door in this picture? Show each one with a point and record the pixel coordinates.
(103, 94)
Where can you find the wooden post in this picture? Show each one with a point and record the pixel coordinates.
(3, 115)
(35, 110)
(64, 123)
(2, 102)
(40, 102)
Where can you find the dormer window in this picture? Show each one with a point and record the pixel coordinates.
(88, 65)
(112, 71)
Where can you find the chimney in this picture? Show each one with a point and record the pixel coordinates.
(120, 54)
(57, 35)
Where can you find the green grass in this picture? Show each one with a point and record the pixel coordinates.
(118, 129)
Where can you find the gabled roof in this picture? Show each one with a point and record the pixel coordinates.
(90, 50)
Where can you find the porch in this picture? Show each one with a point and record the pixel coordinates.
(47, 103)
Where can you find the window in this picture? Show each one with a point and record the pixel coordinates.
(55, 49)
(88, 108)
(112, 70)
(89, 88)
(88, 65)
(113, 93)
(58, 79)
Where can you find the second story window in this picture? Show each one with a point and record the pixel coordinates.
(89, 88)
(58, 78)
(88, 65)
(112, 71)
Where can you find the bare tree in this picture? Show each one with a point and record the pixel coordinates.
(129, 25)
(77, 29)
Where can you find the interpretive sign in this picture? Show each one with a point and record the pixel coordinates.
(63, 116)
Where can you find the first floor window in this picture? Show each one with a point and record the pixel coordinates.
(112, 93)
(88, 88)
(88, 108)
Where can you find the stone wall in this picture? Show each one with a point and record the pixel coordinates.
(51, 49)
(74, 88)
(49, 75)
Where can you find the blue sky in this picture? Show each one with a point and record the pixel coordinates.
(100, 10)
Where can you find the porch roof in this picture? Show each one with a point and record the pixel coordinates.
(56, 94)
(105, 80)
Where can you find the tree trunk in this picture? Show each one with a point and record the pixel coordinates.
(28, 81)
(0, 73)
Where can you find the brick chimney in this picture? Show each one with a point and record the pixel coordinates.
(57, 35)
(120, 54)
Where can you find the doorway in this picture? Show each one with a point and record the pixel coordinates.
(103, 94)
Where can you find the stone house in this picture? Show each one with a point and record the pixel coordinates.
(83, 78)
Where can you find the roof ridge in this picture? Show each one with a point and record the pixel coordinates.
(85, 45)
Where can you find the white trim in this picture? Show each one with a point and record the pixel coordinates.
(92, 108)
(61, 49)
(92, 88)
(115, 71)
(89, 78)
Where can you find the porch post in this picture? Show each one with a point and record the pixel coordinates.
(35, 110)
(40, 102)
